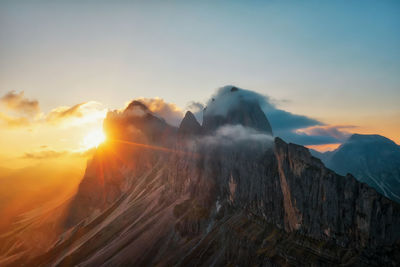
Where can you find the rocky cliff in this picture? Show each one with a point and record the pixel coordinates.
(217, 198)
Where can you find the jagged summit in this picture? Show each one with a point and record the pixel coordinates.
(136, 119)
(233, 106)
(189, 125)
(157, 201)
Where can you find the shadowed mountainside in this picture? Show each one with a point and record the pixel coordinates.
(227, 194)
(372, 159)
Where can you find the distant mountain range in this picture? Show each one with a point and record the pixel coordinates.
(221, 193)
(372, 159)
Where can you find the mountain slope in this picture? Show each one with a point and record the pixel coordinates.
(229, 196)
(278, 206)
(249, 201)
(372, 159)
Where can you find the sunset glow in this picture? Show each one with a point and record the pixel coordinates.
(93, 139)
(324, 148)
(149, 133)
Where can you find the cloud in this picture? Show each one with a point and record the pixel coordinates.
(139, 107)
(305, 139)
(291, 127)
(284, 124)
(14, 122)
(78, 114)
(318, 135)
(170, 112)
(197, 109)
(286, 121)
(45, 154)
(22, 112)
(54, 154)
(18, 103)
(65, 112)
(233, 134)
(224, 100)
(194, 106)
(339, 132)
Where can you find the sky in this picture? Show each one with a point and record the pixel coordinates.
(335, 62)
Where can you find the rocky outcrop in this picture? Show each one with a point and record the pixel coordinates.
(189, 125)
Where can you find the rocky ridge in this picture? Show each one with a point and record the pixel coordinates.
(372, 159)
(159, 199)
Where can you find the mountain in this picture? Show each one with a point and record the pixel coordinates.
(232, 109)
(189, 125)
(217, 199)
(372, 159)
(147, 125)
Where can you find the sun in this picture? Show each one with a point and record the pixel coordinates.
(93, 139)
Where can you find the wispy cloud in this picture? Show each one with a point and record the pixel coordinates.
(338, 132)
(23, 112)
(234, 134)
(77, 114)
(54, 154)
(197, 109)
(60, 113)
(284, 124)
(20, 104)
(168, 111)
(291, 127)
(14, 122)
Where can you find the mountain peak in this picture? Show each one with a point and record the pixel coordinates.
(137, 104)
(189, 125)
(372, 159)
(231, 105)
(369, 138)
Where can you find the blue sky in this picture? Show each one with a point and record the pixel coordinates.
(335, 61)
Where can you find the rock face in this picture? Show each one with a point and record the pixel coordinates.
(197, 203)
(189, 125)
(132, 134)
(372, 159)
(154, 194)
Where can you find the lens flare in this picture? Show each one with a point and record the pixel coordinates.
(93, 139)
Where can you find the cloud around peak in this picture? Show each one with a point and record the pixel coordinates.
(291, 127)
(235, 134)
(23, 112)
(170, 112)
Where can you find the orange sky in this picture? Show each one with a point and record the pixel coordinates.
(31, 135)
(339, 65)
